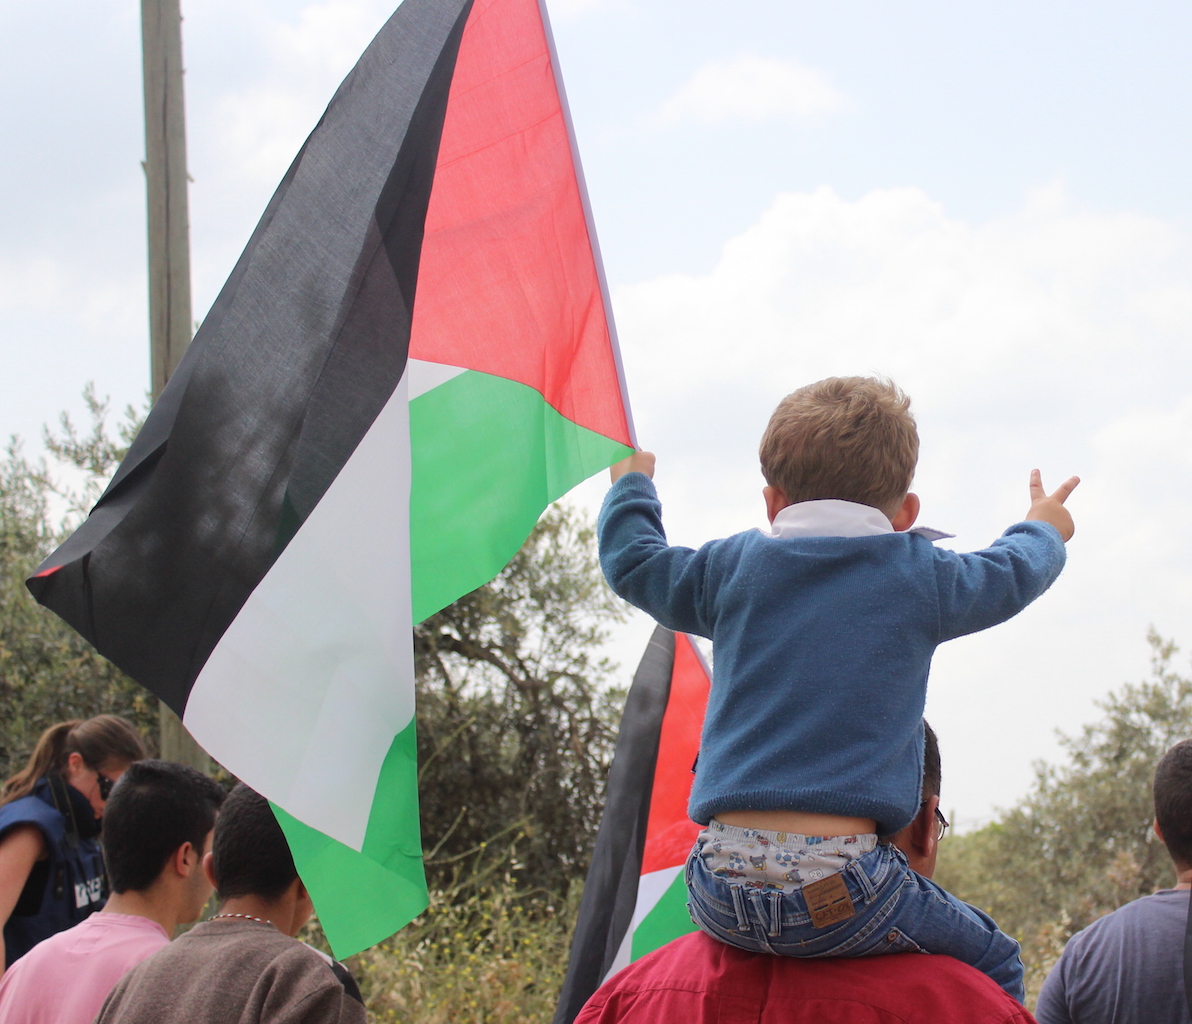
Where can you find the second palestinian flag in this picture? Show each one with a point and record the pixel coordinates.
(635, 898)
(412, 358)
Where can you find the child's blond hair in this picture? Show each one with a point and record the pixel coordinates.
(852, 438)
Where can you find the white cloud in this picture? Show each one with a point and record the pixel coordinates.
(247, 124)
(752, 88)
(261, 120)
(1055, 337)
(328, 36)
(822, 285)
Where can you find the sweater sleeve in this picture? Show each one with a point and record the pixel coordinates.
(979, 589)
(667, 582)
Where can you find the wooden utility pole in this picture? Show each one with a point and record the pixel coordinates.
(169, 248)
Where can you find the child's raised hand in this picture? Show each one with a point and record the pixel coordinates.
(638, 462)
(1049, 508)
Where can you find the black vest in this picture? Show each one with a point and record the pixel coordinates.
(68, 886)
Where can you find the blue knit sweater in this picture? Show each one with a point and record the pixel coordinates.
(822, 648)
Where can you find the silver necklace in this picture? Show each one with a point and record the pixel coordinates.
(247, 917)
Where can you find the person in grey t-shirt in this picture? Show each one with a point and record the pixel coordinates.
(243, 965)
(1128, 967)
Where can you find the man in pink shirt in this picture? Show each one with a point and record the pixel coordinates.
(156, 828)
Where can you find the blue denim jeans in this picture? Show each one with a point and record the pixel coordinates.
(897, 911)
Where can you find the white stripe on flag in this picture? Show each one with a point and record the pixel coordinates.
(425, 376)
(650, 890)
(306, 690)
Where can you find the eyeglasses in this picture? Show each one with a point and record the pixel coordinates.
(941, 823)
(106, 784)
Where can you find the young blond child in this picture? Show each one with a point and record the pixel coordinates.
(824, 631)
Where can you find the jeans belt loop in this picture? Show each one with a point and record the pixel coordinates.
(739, 908)
(775, 901)
(864, 882)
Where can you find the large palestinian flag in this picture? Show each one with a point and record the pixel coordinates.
(412, 358)
(635, 898)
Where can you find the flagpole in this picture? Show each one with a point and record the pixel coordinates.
(169, 250)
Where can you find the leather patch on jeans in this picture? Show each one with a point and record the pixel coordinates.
(828, 901)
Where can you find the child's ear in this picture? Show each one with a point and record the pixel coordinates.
(907, 514)
(776, 501)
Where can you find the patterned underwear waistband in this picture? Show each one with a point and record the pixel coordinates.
(767, 861)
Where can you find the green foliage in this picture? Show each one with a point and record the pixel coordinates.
(516, 724)
(48, 673)
(1080, 845)
(489, 954)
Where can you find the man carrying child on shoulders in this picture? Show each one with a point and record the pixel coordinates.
(696, 978)
(813, 740)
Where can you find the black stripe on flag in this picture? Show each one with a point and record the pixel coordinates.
(610, 892)
(304, 346)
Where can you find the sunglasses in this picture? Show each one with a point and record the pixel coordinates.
(106, 784)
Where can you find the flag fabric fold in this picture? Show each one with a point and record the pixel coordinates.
(412, 358)
(635, 897)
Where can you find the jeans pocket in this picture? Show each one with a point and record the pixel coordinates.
(736, 926)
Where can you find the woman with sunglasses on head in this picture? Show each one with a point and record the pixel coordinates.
(51, 867)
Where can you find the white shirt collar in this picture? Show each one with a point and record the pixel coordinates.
(832, 517)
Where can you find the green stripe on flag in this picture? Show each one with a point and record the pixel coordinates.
(364, 897)
(667, 920)
(488, 455)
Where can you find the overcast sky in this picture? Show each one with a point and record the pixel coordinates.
(989, 202)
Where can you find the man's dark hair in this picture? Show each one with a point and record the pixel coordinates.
(931, 762)
(155, 807)
(1173, 801)
(251, 855)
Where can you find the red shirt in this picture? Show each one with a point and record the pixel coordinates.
(697, 980)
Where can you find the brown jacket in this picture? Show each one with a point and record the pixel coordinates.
(235, 971)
